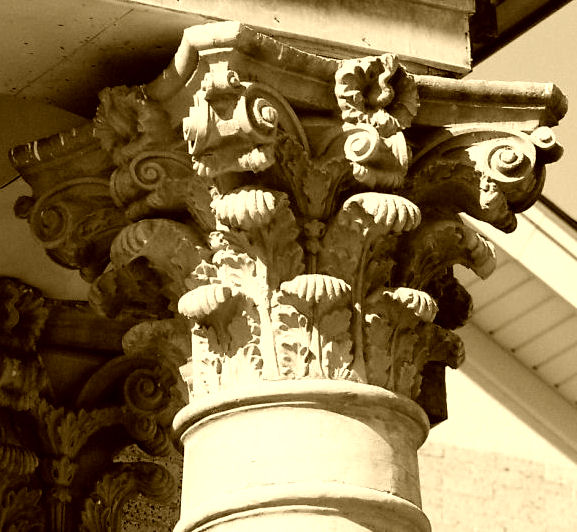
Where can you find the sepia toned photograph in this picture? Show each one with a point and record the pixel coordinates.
(288, 266)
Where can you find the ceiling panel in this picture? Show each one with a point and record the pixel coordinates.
(533, 323)
(549, 343)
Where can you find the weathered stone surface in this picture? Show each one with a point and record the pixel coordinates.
(57, 443)
(348, 447)
(292, 253)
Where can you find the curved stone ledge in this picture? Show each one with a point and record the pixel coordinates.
(301, 450)
(323, 506)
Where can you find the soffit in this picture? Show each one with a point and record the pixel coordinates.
(63, 53)
(498, 22)
(522, 341)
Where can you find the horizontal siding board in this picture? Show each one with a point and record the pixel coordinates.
(512, 304)
(533, 323)
(558, 368)
(503, 279)
(569, 390)
(551, 342)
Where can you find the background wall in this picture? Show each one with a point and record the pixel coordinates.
(465, 490)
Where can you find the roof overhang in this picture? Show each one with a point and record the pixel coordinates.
(522, 338)
(498, 22)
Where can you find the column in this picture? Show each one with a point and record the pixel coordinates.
(293, 222)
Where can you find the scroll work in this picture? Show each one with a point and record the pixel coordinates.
(48, 450)
(295, 235)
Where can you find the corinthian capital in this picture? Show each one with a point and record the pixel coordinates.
(300, 213)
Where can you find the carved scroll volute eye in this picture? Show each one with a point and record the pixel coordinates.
(548, 149)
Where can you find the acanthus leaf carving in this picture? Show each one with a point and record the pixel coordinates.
(255, 251)
(440, 243)
(363, 219)
(401, 339)
(102, 509)
(289, 187)
(261, 224)
(162, 182)
(150, 258)
(20, 511)
(312, 336)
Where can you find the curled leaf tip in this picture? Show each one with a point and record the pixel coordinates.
(201, 302)
(316, 288)
(421, 303)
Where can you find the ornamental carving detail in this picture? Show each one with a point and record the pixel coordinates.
(49, 444)
(378, 99)
(258, 213)
(291, 235)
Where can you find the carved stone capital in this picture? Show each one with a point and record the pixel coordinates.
(280, 226)
(55, 443)
(301, 212)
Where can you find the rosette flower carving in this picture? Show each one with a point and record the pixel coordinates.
(378, 99)
(128, 121)
(376, 91)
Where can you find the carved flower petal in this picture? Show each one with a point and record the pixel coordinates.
(316, 288)
(199, 303)
(421, 303)
(246, 208)
(393, 212)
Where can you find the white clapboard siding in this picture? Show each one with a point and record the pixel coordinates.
(559, 367)
(555, 340)
(568, 389)
(529, 319)
(533, 323)
(509, 275)
(511, 304)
